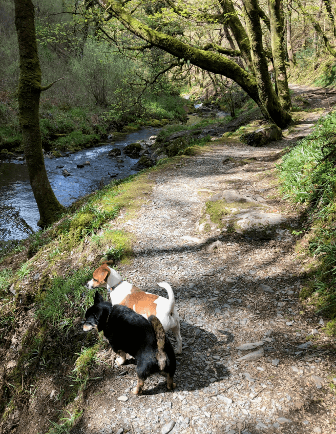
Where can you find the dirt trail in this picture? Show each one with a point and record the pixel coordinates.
(232, 288)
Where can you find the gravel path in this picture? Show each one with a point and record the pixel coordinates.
(231, 290)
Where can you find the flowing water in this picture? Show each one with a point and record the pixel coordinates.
(18, 210)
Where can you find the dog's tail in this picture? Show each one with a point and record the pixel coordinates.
(171, 296)
(160, 339)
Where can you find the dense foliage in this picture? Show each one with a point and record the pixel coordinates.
(308, 175)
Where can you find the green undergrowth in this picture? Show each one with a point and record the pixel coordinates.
(320, 70)
(308, 175)
(62, 299)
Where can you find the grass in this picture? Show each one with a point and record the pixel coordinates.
(308, 175)
(65, 298)
(5, 277)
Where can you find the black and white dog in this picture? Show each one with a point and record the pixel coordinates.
(130, 333)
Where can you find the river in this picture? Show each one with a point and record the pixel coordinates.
(18, 210)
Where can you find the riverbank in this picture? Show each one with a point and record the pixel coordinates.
(65, 128)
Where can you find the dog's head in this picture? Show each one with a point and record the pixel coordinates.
(93, 314)
(103, 276)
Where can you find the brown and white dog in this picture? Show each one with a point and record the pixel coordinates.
(144, 303)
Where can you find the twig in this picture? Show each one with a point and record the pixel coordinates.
(259, 392)
(241, 429)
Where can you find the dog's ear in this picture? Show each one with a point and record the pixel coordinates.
(98, 298)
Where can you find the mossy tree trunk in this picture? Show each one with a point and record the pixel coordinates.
(327, 5)
(208, 61)
(233, 22)
(29, 99)
(278, 52)
(289, 33)
(266, 91)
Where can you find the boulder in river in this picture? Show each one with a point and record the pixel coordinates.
(133, 150)
(114, 152)
(66, 173)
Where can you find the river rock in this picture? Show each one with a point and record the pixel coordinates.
(66, 173)
(143, 163)
(80, 165)
(114, 152)
(133, 150)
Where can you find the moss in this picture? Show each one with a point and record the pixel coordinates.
(82, 221)
(145, 162)
(133, 150)
(85, 361)
(117, 245)
(306, 291)
(217, 210)
(330, 328)
(189, 151)
(130, 128)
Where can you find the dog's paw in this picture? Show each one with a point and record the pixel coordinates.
(120, 361)
(137, 390)
(171, 386)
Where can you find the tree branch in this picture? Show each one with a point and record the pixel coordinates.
(43, 88)
(222, 50)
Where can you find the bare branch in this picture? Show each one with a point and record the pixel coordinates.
(43, 88)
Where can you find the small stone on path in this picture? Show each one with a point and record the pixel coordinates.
(283, 420)
(318, 381)
(266, 288)
(123, 398)
(250, 346)
(255, 355)
(226, 400)
(305, 345)
(168, 427)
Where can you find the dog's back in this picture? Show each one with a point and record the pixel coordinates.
(128, 332)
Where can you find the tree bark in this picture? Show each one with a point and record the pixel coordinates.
(278, 52)
(208, 61)
(289, 33)
(266, 91)
(330, 15)
(237, 29)
(29, 99)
